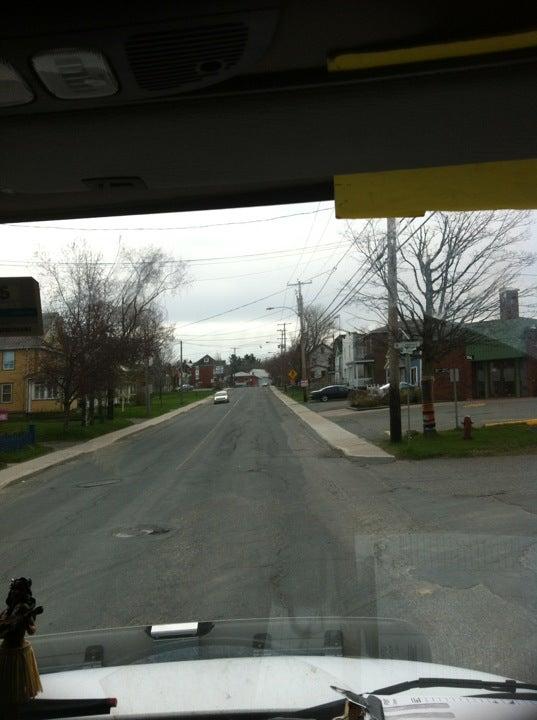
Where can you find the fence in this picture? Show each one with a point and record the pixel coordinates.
(18, 440)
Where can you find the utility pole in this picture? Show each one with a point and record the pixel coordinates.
(233, 370)
(180, 372)
(283, 348)
(393, 352)
(300, 307)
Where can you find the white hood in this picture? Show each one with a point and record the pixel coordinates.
(264, 683)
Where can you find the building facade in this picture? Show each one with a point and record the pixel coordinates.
(207, 372)
(20, 390)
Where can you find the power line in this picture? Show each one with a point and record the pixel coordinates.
(222, 259)
(163, 229)
(234, 309)
(353, 290)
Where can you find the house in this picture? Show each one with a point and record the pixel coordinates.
(494, 358)
(320, 362)
(497, 359)
(243, 378)
(206, 372)
(261, 376)
(20, 392)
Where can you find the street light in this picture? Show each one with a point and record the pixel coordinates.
(284, 307)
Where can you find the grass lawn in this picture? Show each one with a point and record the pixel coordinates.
(27, 453)
(499, 440)
(170, 401)
(295, 393)
(50, 429)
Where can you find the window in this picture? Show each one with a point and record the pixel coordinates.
(414, 375)
(7, 392)
(44, 392)
(8, 360)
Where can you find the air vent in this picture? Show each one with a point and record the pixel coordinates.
(166, 61)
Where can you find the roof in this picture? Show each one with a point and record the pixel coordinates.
(30, 342)
(203, 361)
(499, 339)
(20, 343)
(241, 374)
(259, 372)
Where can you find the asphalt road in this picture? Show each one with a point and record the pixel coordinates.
(239, 511)
(374, 424)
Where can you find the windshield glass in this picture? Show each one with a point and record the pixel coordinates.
(277, 505)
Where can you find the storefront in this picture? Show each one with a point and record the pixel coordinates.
(498, 378)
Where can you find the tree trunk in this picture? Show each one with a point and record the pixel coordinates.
(85, 416)
(427, 380)
(66, 414)
(91, 409)
(110, 404)
(100, 409)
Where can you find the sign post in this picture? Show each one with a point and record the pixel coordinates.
(454, 377)
(407, 348)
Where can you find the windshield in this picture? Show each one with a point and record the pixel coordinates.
(276, 505)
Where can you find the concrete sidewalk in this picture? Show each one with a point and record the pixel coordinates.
(351, 446)
(31, 467)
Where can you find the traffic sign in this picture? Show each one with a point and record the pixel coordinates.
(20, 307)
(292, 375)
(303, 383)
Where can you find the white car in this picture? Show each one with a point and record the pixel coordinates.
(221, 397)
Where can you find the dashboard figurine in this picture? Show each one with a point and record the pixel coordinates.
(19, 676)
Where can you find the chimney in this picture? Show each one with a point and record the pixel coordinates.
(509, 304)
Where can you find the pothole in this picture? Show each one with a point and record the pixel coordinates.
(98, 483)
(139, 532)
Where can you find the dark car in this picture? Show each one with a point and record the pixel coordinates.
(330, 392)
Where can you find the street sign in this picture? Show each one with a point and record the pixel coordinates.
(454, 375)
(407, 347)
(20, 307)
(292, 375)
(303, 383)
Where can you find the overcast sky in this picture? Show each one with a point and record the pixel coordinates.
(233, 263)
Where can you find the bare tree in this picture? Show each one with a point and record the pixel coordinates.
(319, 326)
(451, 268)
(143, 279)
(73, 361)
(108, 318)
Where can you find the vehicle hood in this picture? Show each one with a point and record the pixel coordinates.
(260, 683)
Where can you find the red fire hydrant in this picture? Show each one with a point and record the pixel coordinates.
(467, 426)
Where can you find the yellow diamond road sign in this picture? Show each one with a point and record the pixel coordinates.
(292, 375)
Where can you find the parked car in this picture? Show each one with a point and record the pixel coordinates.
(330, 392)
(187, 386)
(221, 396)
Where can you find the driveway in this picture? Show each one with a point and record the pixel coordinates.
(374, 424)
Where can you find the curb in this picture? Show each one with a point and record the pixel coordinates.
(351, 446)
(59, 457)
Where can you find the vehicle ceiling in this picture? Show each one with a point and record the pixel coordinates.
(270, 124)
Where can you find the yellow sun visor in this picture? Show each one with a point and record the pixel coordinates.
(409, 193)
(349, 61)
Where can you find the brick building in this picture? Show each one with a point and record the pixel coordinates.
(207, 372)
(495, 358)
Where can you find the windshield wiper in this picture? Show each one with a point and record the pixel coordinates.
(508, 687)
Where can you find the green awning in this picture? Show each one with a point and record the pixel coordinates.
(492, 351)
